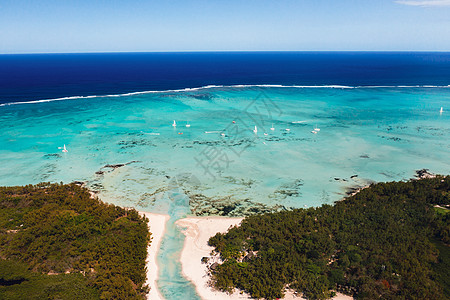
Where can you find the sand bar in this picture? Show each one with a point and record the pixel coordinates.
(198, 230)
(157, 224)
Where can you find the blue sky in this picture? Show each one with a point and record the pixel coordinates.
(209, 25)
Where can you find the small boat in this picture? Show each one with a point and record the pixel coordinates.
(265, 133)
(255, 130)
(222, 134)
(314, 131)
(64, 149)
(442, 110)
(174, 123)
(317, 129)
(272, 128)
(188, 125)
(288, 129)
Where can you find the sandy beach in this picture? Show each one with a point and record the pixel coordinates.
(198, 230)
(157, 223)
(290, 295)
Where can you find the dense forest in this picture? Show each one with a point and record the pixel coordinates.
(56, 242)
(389, 241)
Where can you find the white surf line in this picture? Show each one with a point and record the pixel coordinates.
(225, 86)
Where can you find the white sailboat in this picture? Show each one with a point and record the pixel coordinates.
(442, 110)
(188, 125)
(174, 123)
(255, 130)
(64, 149)
(272, 128)
(317, 129)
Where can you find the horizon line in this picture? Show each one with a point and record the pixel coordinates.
(233, 51)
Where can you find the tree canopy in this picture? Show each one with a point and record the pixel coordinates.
(57, 242)
(388, 241)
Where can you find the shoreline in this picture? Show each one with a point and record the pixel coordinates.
(198, 230)
(157, 227)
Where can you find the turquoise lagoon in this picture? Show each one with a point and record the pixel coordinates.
(366, 134)
(125, 148)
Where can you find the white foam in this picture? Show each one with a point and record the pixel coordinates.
(225, 86)
(51, 100)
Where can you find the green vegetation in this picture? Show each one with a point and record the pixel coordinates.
(442, 268)
(18, 282)
(56, 242)
(385, 242)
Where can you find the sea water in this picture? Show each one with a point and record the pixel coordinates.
(171, 282)
(128, 151)
(125, 147)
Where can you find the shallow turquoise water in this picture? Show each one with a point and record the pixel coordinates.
(171, 282)
(378, 134)
(366, 134)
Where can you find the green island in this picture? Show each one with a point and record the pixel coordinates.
(389, 241)
(57, 242)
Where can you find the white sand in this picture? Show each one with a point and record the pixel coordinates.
(339, 296)
(198, 230)
(157, 223)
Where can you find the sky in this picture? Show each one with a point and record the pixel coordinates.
(49, 26)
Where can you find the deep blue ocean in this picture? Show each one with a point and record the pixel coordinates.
(255, 131)
(31, 77)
